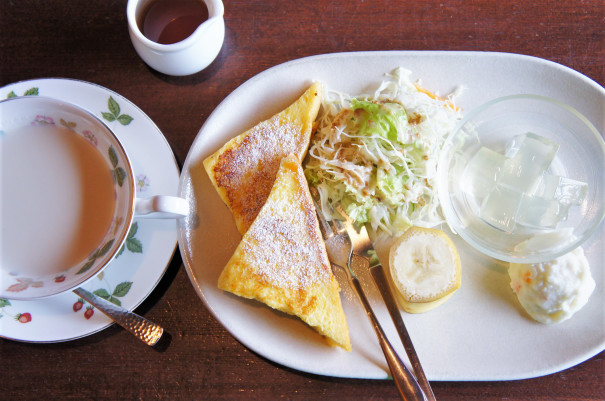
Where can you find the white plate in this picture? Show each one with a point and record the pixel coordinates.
(481, 333)
(135, 273)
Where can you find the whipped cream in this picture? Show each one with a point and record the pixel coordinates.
(553, 291)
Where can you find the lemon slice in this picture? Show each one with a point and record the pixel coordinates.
(425, 269)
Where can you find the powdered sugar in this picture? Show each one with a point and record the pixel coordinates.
(285, 237)
(247, 171)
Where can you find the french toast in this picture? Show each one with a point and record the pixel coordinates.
(282, 260)
(243, 170)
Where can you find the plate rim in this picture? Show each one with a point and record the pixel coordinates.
(390, 53)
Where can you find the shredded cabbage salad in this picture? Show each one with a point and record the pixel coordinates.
(375, 157)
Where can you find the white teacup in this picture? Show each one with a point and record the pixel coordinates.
(68, 197)
(186, 57)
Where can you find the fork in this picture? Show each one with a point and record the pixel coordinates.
(335, 234)
(362, 246)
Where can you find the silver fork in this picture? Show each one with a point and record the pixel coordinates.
(336, 237)
(362, 246)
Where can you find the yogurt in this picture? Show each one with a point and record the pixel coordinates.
(553, 291)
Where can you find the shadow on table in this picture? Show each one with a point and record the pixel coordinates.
(202, 76)
(105, 333)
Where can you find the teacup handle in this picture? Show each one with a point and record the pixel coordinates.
(161, 207)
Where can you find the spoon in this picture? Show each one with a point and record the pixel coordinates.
(145, 330)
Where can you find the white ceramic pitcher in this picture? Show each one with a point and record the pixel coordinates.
(186, 57)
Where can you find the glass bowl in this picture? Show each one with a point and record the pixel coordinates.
(521, 179)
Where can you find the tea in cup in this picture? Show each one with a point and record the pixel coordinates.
(176, 37)
(68, 197)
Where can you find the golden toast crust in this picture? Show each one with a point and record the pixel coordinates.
(243, 170)
(282, 261)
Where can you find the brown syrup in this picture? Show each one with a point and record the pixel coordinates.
(171, 21)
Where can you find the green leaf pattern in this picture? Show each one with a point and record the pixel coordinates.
(113, 296)
(68, 124)
(113, 157)
(119, 174)
(133, 244)
(122, 289)
(124, 119)
(114, 113)
(95, 255)
(30, 92)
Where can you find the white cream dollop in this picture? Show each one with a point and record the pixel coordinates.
(553, 291)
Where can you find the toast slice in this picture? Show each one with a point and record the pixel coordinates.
(282, 260)
(243, 170)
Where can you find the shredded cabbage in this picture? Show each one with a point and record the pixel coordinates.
(375, 157)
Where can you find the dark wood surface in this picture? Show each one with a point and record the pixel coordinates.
(88, 40)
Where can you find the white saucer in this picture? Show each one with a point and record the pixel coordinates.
(137, 270)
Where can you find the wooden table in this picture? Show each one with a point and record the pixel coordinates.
(89, 41)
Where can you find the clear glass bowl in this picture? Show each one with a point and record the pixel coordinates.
(467, 206)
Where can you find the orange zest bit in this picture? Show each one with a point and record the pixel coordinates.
(433, 96)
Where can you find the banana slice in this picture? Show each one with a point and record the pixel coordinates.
(425, 269)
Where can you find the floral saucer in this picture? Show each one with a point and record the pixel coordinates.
(151, 243)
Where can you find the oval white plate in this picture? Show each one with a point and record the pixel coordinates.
(135, 273)
(481, 333)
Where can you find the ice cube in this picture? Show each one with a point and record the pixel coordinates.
(564, 190)
(571, 192)
(500, 207)
(547, 186)
(521, 175)
(541, 213)
(513, 145)
(531, 155)
(480, 174)
(531, 142)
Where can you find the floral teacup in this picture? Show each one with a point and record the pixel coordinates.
(68, 197)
